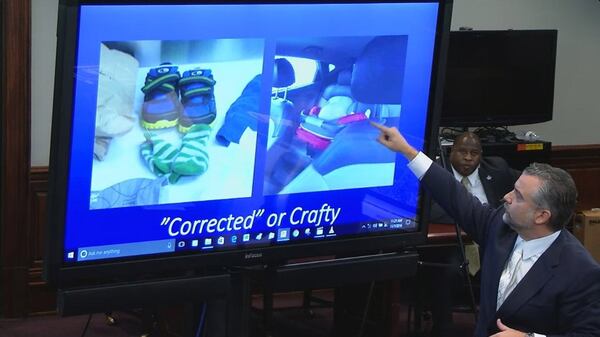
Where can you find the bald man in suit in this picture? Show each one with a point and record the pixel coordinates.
(490, 178)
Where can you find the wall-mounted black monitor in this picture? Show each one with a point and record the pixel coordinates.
(198, 134)
(499, 78)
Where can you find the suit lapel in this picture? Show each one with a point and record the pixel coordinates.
(487, 182)
(540, 273)
(505, 245)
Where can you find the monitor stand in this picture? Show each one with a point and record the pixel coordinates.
(220, 305)
(326, 273)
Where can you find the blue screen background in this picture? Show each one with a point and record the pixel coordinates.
(85, 227)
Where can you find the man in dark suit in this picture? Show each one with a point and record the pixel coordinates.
(537, 278)
(488, 178)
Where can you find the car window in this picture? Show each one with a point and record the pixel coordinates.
(304, 69)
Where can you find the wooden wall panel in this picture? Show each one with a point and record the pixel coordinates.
(38, 188)
(41, 298)
(583, 163)
(15, 135)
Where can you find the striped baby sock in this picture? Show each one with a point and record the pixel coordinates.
(158, 154)
(193, 157)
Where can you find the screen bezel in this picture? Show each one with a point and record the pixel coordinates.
(57, 273)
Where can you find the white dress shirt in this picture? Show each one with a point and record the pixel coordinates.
(532, 250)
(476, 186)
(420, 164)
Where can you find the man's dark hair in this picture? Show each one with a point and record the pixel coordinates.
(557, 192)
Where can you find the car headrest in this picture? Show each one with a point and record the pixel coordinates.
(283, 73)
(342, 86)
(378, 74)
(345, 77)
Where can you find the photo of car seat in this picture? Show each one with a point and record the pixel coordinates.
(336, 108)
(335, 134)
(376, 84)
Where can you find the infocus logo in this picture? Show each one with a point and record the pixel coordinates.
(252, 255)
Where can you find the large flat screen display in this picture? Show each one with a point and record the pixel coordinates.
(190, 135)
(499, 78)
